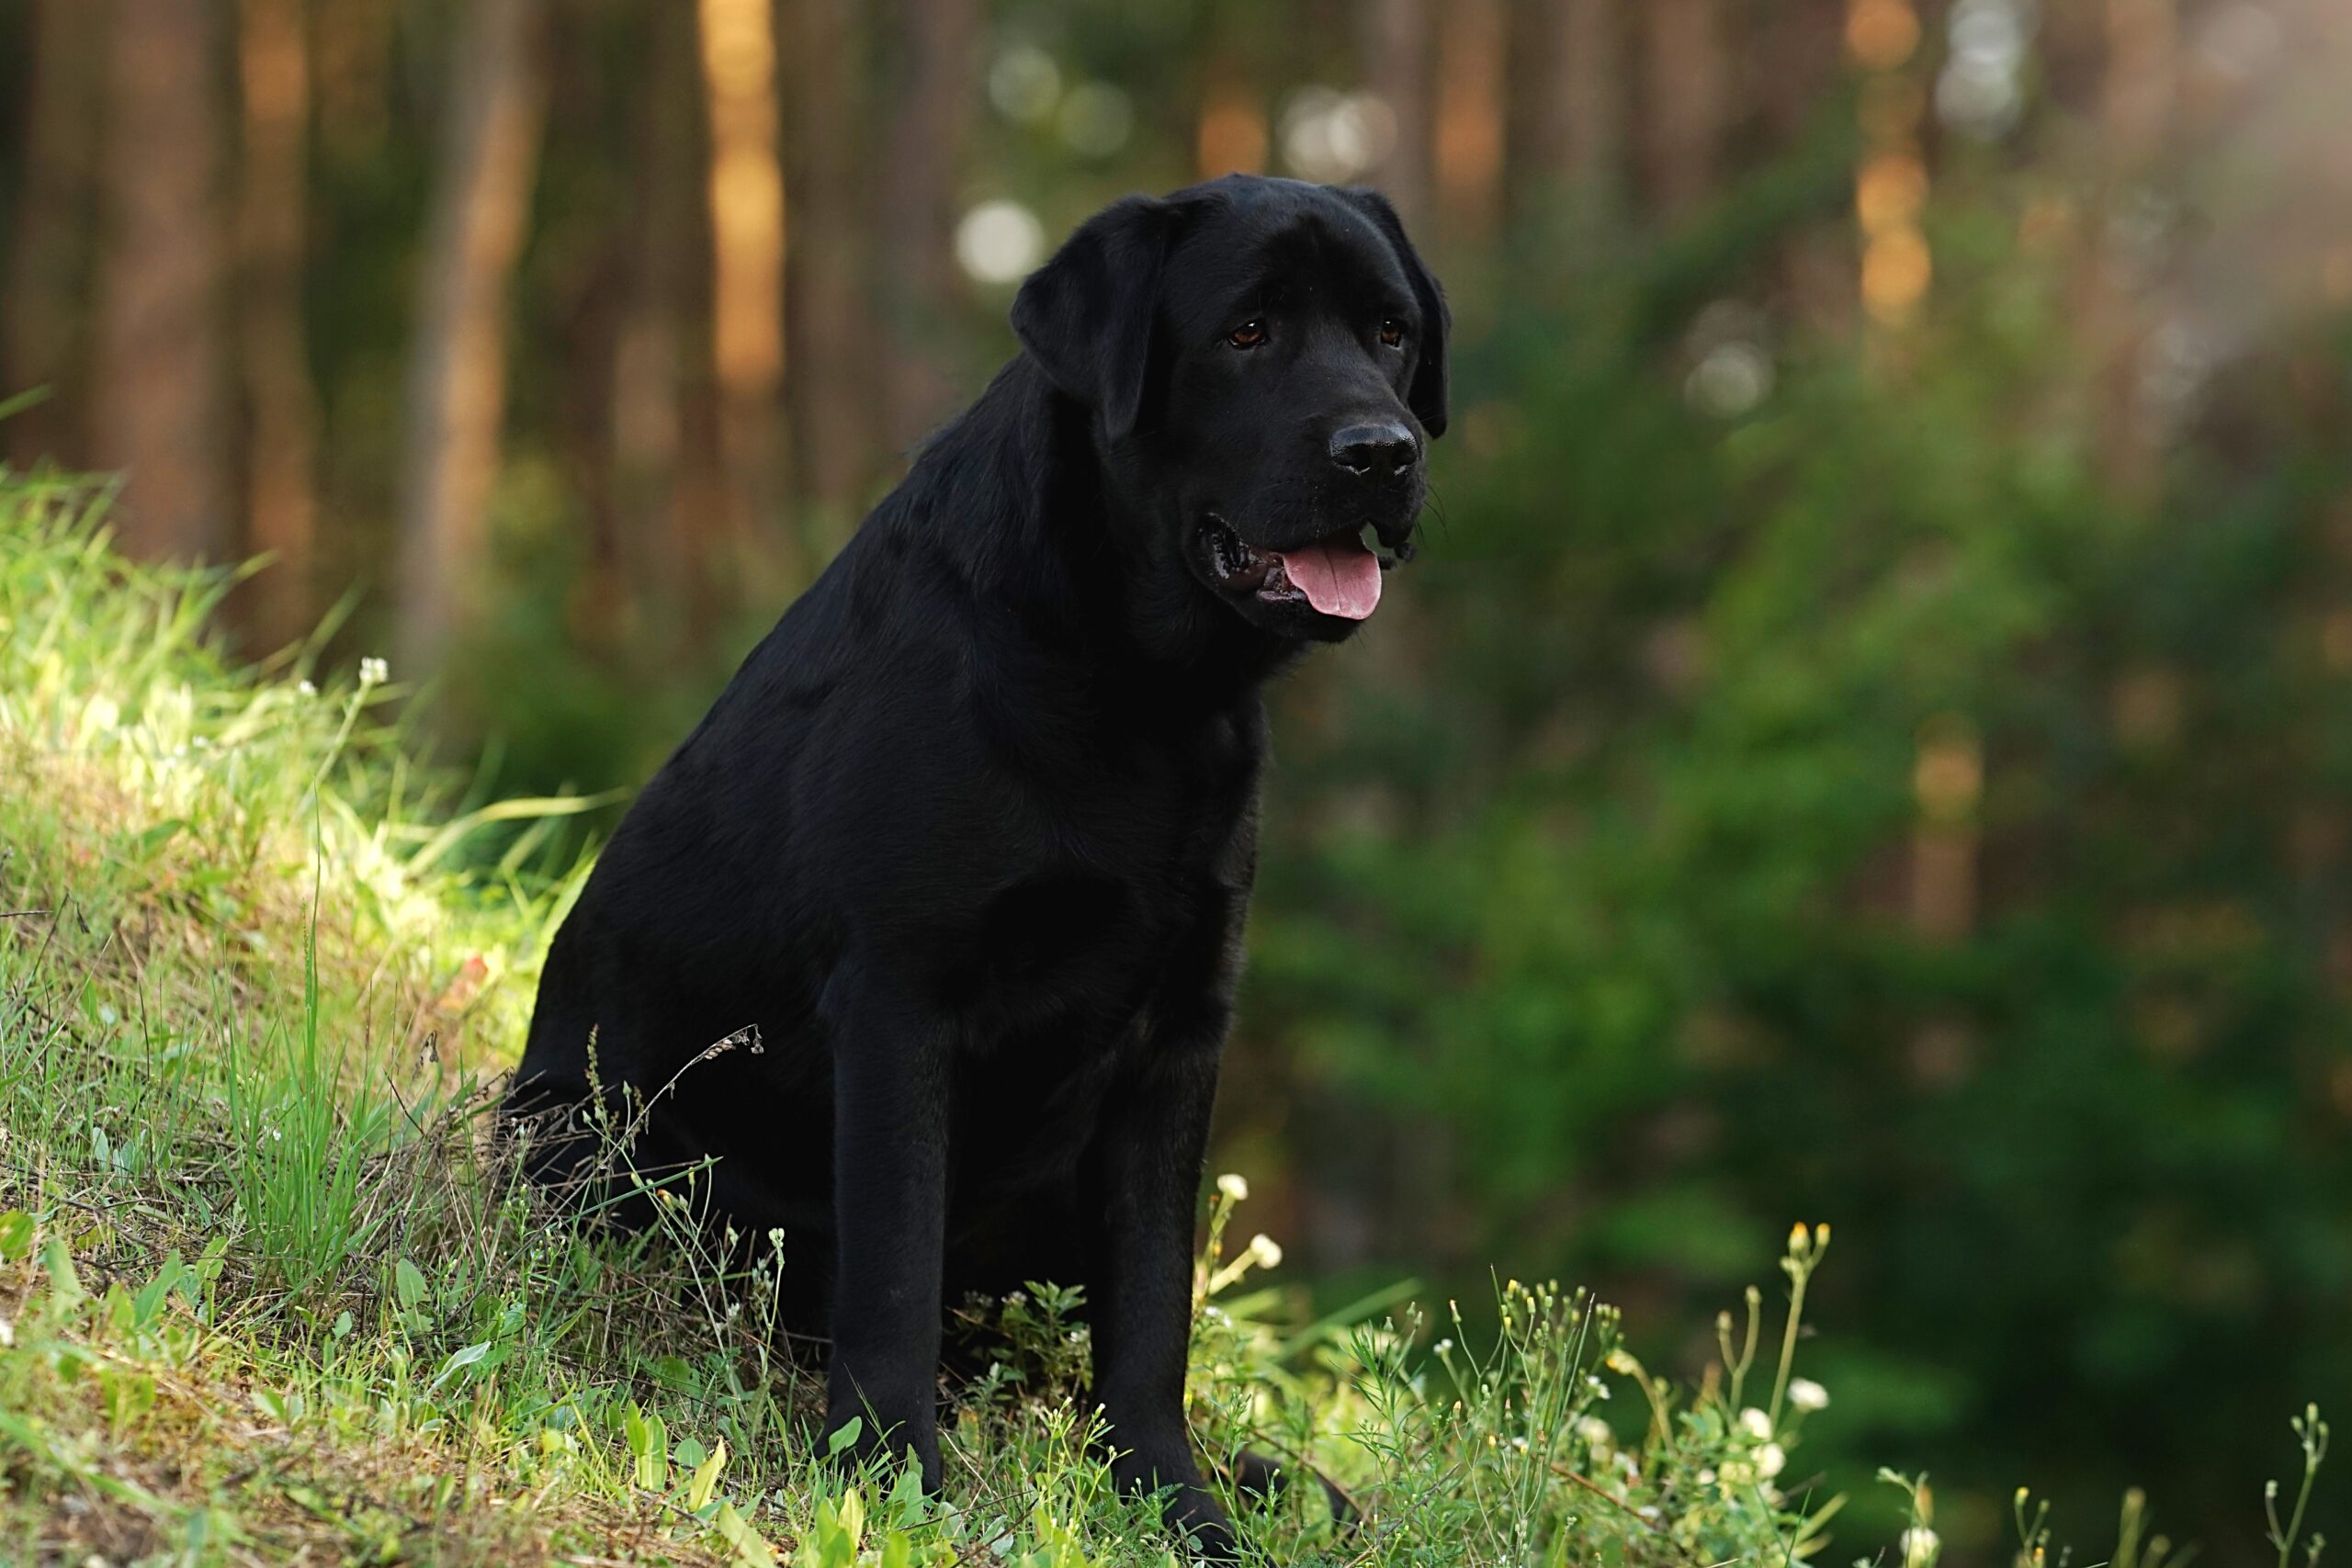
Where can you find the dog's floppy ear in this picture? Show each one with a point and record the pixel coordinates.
(1425, 396)
(1086, 316)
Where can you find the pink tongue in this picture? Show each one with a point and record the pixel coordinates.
(1340, 577)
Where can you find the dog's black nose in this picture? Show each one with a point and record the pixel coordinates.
(1375, 451)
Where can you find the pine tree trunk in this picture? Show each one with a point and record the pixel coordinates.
(1686, 79)
(745, 191)
(1593, 57)
(1400, 67)
(831, 392)
(1564, 123)
(661, 501)
(1469, 138)
(158, 413)
(47, 307)
(455, 400)
(927, 114)
(282, 437)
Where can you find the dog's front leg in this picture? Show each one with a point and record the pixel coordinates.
(1146, 1167)
(890, 1078)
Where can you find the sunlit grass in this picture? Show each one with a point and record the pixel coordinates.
(266, 1288)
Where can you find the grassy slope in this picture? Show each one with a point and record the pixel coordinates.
(264, 1295)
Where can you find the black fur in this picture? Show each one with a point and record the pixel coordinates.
(969, 838)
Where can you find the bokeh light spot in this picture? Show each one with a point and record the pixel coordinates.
(1881, 34)
(1096, 119)
(1896, 270)
(1024, 83)
(998, 241)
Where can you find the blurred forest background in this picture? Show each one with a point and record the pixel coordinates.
(1868, 738)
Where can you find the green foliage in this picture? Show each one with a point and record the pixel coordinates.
(1602, 862)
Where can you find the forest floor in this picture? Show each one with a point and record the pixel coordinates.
(268, 1294)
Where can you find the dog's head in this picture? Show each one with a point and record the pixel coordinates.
(1264, 362)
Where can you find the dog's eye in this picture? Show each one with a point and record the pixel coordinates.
(1392, 333)
(1249, 335)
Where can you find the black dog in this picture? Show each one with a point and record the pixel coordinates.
(969, 838)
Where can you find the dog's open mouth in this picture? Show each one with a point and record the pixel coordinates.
(1336, 574)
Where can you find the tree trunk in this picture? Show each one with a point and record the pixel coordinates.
(1591, 87)
(745, 191)
(1797, 59)
(1535, 112)
(831, 392)
(1469, 149)
(47, 305)
(1685, 79)
(158, 412)
(457, 380)
(282, 435)
(1400, 55)
(928, 111)
(354, 65)
(1564, 121)
(648, 370)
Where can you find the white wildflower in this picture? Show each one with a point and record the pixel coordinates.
(1233, 1186)
(1596, 1433)
(1806, 1394)
(1266, 1251)
(1920, 1546)
(304, 688)
(1756, 1423)
(374, 672)
(1770, 1459)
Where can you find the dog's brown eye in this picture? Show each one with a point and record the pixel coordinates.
(1392, 333)
(1249, 335)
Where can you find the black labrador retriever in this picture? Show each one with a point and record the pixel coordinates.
(969, 840)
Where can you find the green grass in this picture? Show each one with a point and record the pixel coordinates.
(265, 1293)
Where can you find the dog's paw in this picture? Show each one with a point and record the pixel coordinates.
(1189, 1508)
(1200, 1521)
(859, 1439)
(1260, 1480)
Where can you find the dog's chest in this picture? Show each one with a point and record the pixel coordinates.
(1136, 884)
